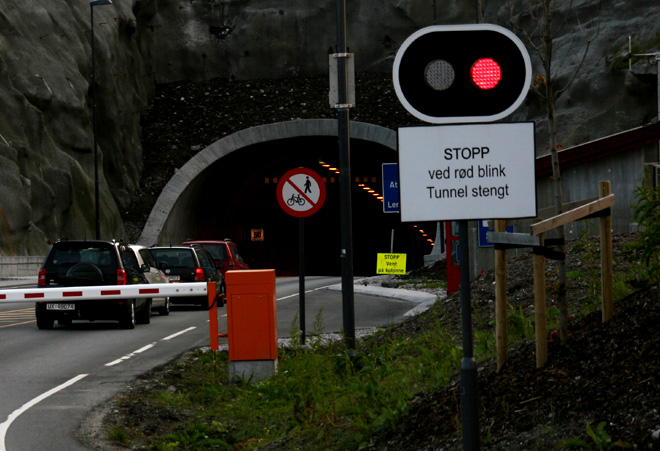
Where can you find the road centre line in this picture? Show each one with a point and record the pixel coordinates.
(16, 413)
(4, 427)
(307, 291)
(149, 346)
(179, 333)
(128, 356)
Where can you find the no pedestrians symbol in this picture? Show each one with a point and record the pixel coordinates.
(301, 192)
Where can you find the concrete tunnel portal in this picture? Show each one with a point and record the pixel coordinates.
(228, 190)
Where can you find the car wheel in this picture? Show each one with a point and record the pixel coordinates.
(45, 321)
(144, 315)
(127, 320)
(165, 310)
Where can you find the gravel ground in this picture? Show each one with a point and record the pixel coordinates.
(604, 373)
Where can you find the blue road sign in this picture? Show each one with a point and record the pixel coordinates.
(483, 230)
(390, 187)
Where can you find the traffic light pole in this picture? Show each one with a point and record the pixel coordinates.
(345, 202)
(301, 278)
(469, 398)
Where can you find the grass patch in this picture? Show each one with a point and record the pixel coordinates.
(322, 397)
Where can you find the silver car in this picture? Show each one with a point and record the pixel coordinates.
(154, 275)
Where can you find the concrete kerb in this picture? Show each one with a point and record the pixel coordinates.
(18, 282)
(423, 300)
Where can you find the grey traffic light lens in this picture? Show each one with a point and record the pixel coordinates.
(439, 75)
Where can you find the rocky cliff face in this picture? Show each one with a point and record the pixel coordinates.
(47, 168)
(46, 137)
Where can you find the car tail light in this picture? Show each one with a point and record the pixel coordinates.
(199, 275)
(42, 277)
(121, 277)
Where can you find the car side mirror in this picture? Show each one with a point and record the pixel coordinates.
(145, 268)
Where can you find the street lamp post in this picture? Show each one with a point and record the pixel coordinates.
(92, 4)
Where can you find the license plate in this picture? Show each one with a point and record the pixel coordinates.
(173, 278)
(60, 306)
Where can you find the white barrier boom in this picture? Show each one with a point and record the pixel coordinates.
(103, 292)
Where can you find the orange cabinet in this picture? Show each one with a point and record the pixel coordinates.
(251, 315)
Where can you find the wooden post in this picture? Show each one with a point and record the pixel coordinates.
(213, 316)
(540, 309)
(607, 284)
(501, 333)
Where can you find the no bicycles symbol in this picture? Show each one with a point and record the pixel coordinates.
(301, 192)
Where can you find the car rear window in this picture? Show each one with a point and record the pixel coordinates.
(217, 251)
(65, 256)
(174, 258)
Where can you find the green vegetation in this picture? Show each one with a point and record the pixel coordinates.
(600, 440)
(647, 246)
(325, 397)
(322, 396)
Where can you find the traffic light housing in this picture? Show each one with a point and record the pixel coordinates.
(462, 73)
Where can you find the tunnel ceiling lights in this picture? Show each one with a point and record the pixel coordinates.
(377, 195)
(373, 192)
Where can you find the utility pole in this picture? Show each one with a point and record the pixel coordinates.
(345, 201)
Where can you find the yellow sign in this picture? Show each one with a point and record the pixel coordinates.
(391, 264)
(257, 234)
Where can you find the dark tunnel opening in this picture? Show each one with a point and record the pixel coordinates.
(237, 195)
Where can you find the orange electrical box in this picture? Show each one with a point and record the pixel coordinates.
(251, 314)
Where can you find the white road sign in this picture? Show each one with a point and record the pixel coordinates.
(470, 171)
(301, 192)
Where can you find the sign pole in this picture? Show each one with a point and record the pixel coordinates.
(343, 132)
(301, 193)
(301, 276)
(469, 398)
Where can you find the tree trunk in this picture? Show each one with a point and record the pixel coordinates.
(556, 175)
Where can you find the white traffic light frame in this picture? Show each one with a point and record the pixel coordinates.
(412, 105)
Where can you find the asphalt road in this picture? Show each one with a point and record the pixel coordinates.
(50, 379)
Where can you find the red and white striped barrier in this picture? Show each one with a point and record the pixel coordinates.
(103, 292)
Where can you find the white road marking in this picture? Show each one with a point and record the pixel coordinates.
(179, 333)
(307, 291)
(128, 356)
(16, 413)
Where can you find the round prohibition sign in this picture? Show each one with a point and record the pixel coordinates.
(301, 192)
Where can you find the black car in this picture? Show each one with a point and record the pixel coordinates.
(188, 264)
(78, 263)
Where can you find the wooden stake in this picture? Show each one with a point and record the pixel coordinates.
(500, 300)
(607, 284)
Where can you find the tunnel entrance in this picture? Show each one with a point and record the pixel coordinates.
(229, 191)
(237, 195)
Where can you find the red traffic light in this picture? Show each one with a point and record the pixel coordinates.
(486, 73)
(462, 73)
